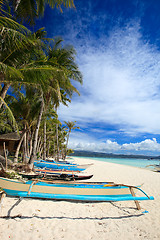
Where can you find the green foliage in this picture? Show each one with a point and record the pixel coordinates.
(29, 10)
(5, 124)
(69, 151)
(37, 69)
(10, 115)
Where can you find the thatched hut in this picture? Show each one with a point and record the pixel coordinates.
(11, 141)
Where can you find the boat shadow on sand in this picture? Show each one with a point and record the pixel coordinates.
(35, 216)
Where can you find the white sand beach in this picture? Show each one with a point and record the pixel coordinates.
(47, 220)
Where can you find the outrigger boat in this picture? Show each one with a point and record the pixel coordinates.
(72, 191)
(47, 171)
(52, 165)
(55, 176)
(66, 163)
(48, 160)
(157, 168)
(59, 161)
(62, 174)
(154, 167)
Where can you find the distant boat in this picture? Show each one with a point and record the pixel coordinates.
(154, 167)
(157, 168)
(87, 192)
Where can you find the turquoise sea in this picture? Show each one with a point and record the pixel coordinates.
(141, 163)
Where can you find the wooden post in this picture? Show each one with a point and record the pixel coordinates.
(136, 202)
(4, 147)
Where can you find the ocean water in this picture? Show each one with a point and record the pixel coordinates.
(141, 163)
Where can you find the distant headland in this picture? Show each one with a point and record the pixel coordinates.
(110, 155)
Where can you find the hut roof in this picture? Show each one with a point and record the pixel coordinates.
(10, 136)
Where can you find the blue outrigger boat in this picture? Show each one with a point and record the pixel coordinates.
(73, 191)
(61, 166)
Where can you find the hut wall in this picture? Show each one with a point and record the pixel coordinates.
(10, 146)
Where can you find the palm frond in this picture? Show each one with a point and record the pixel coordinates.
(10, 114)
(10, 73)
(27, 11)
(11, 24)
(59, 3)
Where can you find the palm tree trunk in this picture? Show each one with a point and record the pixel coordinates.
(30, 143)
(35, 140)
(17, 4)
(57, 141)
(19, 145)
(27, 144)
(66, 145)
(24, 159)
(44, 143)
(38, 144)
(4, 92)
(48, 148)
(40, 151)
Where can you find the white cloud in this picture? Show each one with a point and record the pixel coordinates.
(121, 82)
(148, 145)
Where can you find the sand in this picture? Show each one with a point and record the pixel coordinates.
(46, 219)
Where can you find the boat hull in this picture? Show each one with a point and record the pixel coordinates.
(90, 192)
(58, 176)
(52, 172)
(65, 163)
(56, 166)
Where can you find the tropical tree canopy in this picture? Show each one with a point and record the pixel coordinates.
(29, 10)
(40, 73)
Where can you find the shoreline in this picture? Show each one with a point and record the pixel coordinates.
(47, 219)
(98, 159)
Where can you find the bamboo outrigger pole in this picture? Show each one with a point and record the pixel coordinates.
(136, 202)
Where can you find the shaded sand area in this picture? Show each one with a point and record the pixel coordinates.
(46, 219)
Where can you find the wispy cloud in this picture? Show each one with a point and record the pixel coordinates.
(121, 87)
(121, 82)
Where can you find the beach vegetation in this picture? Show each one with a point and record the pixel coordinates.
(37, 76)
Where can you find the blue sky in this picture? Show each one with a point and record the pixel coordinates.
(118, 53)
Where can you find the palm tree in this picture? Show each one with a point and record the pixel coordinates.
(25, 107)
(35, 139)
(71, 126)
(23, 60)
(63, 61)
(18, 48)
(48, 113)
(28, 10)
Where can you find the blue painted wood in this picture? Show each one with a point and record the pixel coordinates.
(92, 198)
(43, 164)
(60, 162)
(26, 190)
